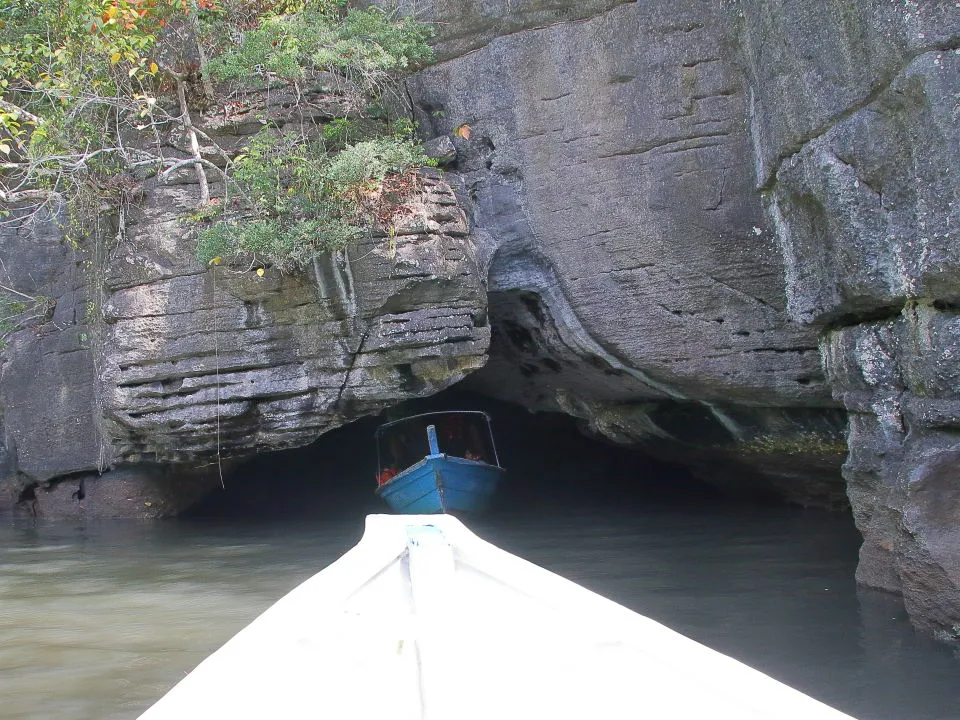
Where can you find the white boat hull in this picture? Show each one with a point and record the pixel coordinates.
(422, 619)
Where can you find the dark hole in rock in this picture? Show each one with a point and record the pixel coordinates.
(534, 306)
(551, 364)
(528, 369)
(550, 465)
(408, 381)
(28, 494)
(519, 336)
(947, 306)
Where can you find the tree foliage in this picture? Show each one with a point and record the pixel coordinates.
(303, 199)
(70, 73)
(88, 91)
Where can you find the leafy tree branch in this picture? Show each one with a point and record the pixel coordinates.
(91, 90)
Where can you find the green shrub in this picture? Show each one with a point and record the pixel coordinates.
(303, 200)
(340, 132)
(307, 193)
(214, 242)
(272, 242)
(364, 46)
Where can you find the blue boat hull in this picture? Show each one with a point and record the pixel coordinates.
(442, 484)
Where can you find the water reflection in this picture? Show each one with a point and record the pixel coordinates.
(99, 620)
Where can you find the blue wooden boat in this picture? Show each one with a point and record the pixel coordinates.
(438, 462)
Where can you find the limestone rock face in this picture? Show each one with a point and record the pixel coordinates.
(683, 201)
(635, 279)
(48, 388)
(854, 115)
(208, 356)
(152, 361)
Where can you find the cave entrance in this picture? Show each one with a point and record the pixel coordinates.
(551, 466)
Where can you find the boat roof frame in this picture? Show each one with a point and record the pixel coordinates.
(387, 425)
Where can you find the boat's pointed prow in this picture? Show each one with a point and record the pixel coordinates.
(423, 619)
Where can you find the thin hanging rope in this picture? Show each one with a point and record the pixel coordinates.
(216, 355)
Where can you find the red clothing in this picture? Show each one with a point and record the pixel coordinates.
(385, 475)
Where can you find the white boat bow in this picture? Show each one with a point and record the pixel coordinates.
(423, 619)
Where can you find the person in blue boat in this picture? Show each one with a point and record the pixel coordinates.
(386, 475)
(461, 438)
(399, 453)
(452, 438)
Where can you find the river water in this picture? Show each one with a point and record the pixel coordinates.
(98, 620)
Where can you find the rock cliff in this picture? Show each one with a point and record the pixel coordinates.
(635, 278)
(854, 121)
(686, 200)
(149, 362)
(723, 231)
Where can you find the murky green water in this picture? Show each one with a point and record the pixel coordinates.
(98, 620)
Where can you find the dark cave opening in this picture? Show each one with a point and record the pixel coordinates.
(551, 466)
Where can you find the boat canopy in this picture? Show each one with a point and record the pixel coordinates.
(460, 433)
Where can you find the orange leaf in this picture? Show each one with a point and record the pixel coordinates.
(463, 131)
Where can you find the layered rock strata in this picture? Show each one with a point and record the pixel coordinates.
(149, 362)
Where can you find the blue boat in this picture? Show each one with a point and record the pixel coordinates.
(438, 462)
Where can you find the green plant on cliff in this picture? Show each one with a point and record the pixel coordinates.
(19, 310)
(302, 200)
(364, 47)
(302, 193)
(89, 89)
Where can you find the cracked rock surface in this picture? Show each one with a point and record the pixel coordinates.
(855, 121)
(635, 279)
(693, 209)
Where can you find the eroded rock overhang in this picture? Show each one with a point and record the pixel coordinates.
(635, 278)
(697, 208)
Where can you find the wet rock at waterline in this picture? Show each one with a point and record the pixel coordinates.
(136, 492)
(854, 121)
